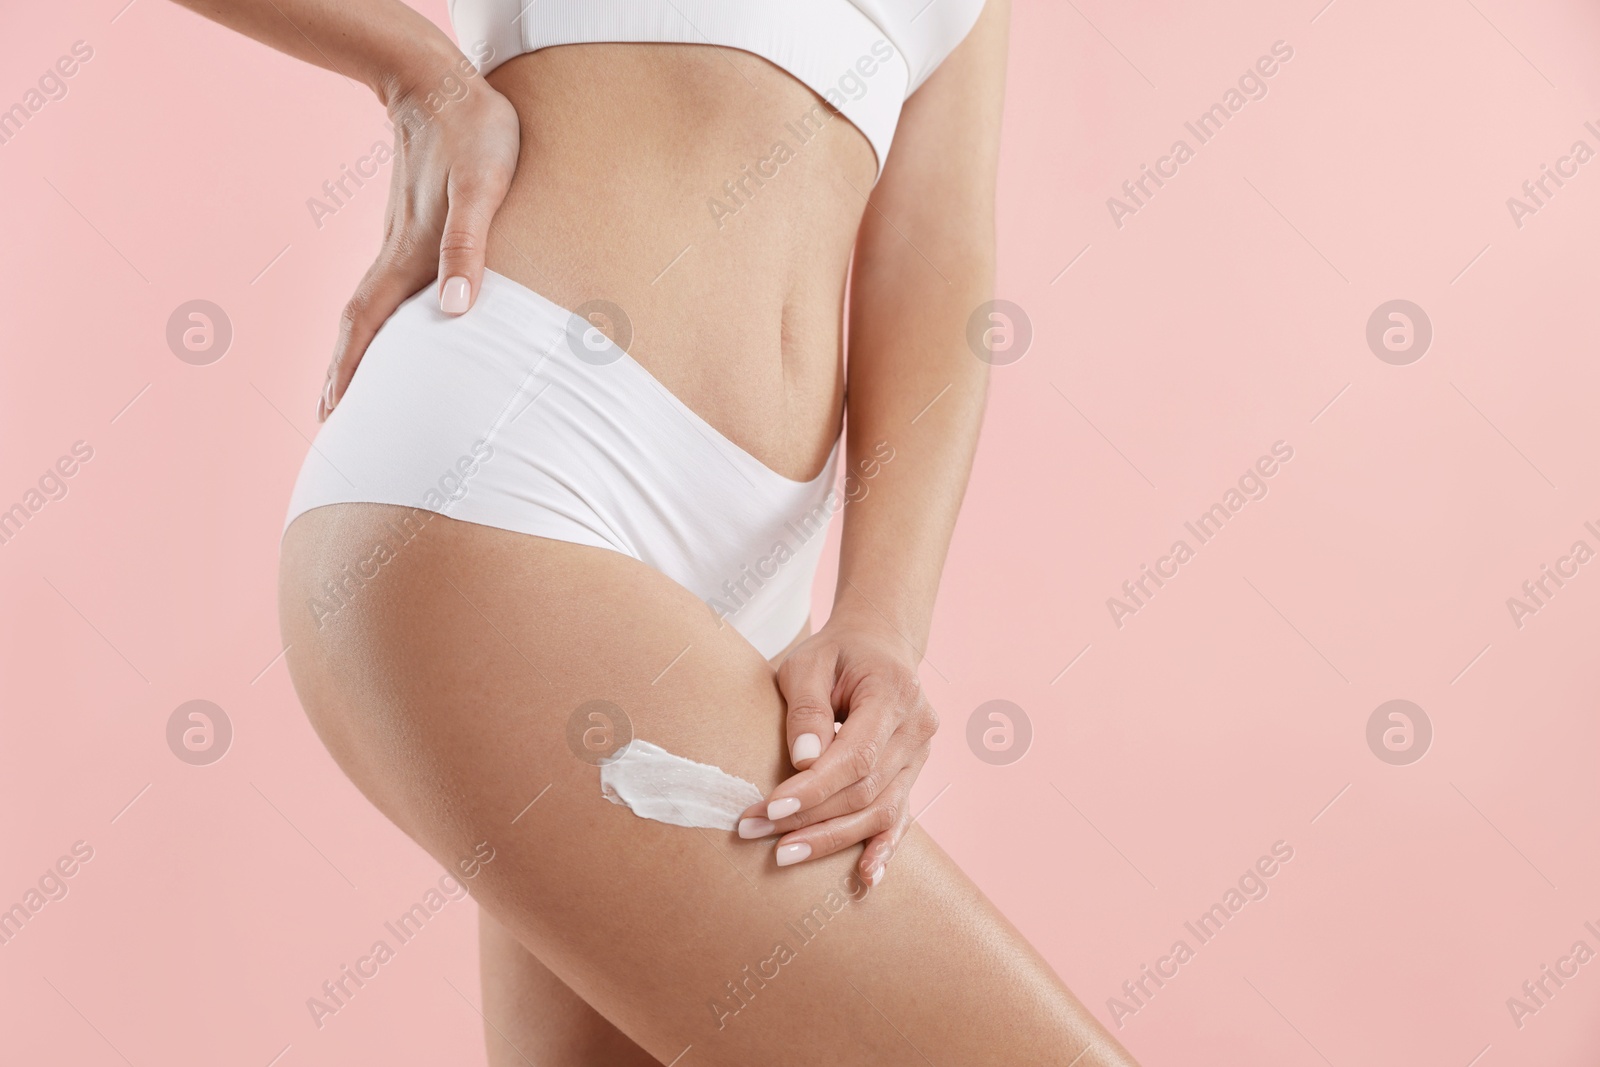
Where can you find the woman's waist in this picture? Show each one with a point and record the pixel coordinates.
(566, 420)
(665, 200)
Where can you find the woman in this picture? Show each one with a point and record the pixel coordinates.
(581, 442)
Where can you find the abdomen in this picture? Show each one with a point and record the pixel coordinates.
(714, 200)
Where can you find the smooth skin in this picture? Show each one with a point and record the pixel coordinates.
(446, 687)
(446, 699)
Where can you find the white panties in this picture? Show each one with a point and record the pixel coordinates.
(521, 415)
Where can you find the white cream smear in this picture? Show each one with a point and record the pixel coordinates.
(655, 784)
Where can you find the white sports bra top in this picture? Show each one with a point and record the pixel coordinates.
(863, 56)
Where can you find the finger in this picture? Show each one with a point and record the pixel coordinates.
(857, 753)
(828, 837)
(807, 684)
(903, 755)
(474, 199)
(398, 272)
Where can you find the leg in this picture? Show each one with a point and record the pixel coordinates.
(444, 689)
(532, 1017)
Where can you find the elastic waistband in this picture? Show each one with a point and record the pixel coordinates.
(589, 355)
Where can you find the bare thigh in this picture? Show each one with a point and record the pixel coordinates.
(444, 688)
(531, 1016)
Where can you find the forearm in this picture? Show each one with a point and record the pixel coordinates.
(916, 393)
(383, 44)
(924, 263)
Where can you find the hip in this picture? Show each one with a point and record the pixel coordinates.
(520, 415)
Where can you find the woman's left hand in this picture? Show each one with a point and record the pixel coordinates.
(854, 786)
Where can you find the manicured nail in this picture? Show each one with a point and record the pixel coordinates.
(877, 876)
(327, 395)
(750, 829)
(806, 746)
(454, 296)
(788, 854)
(779, 809)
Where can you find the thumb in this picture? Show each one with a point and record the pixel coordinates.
(473, 202)
(806, 682)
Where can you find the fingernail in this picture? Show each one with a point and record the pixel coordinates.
(877, 876)
(779, 809)
(454, 296)
(806, 746)
(327, 395)
(750, 829)
(788, 854)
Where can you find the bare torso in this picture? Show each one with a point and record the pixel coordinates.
(652, 176)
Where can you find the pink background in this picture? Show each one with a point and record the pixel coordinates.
(1227, 314)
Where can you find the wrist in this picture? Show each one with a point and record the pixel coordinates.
(427, 66)
(854, 609)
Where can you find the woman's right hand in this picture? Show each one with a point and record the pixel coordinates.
(456, 145)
